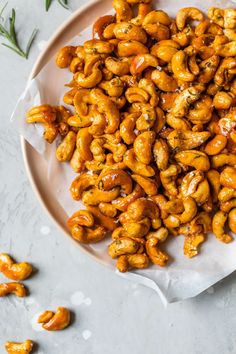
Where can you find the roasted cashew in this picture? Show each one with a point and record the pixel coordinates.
(118, 66)
(188, 13)
(225, 71)
(123, 10)
(107, 209)
(163, 81)
(17, 289)
(123, 202)
(19, 348)
(12, 270)
(202, 110)
(81, 184)
(165, 49)
(184, 37)
(191, 244)
(194, 185)
(123, 246)
(223, 159)
(227, 206)
(128, 31)
(157, 256)
(130, 48)
(113, 178)
(90, 80)
(65, 56)
(223, 100)
(127, 127)
(232, 220)
(46, 115)
(132, 261)
(113, 88)
(148, 116)
(187, 139)
(228, 177)
(190, 210)
(226, 50)
(149, 186)
(136, 94)
(185, 99)
(193, 158)
(136, 166)
(213, 178)
(226, 194)
(95, 196)
(81, 225)
(108, 108)
(100, 25)
(208, 68)
(216, 15)
(55, 321)
(156, 24)
(168, 179)
(138, 229)
(76, 162)
(143, 146)
(216, 145)
(161, 201)
(161, 154)
(142, 62)
(218, 224)
(143, 10)
(66, 148)
(180, 68)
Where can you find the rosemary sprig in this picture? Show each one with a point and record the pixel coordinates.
(11, 36)
(63, 3)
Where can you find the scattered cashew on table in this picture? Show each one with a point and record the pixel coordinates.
(151, 130)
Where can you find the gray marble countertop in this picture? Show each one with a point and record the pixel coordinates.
(112, 315)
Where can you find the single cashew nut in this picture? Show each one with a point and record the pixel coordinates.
(19, 348)
(228, 177)
(132, 261)
(17, 289)
(163, 81)
(188, 13)
(122, 246)
(113, 178)
(180, 68)
(136, 166)
(12, 270)
(55, 321)
(191, 244)
(232, 220)
(149, 186)
(218, 224)
(65, 56)
(194, 158)
(157, 256)
(143, 146)
(66, 148)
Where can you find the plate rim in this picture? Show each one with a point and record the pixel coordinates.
(25, 145)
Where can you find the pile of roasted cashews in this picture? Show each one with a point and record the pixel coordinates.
(152, 135)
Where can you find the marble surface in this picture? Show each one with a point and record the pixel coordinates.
(110, 314)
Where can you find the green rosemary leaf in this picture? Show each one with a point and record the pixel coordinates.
(30, 42)
(47, 4)
(63, 3)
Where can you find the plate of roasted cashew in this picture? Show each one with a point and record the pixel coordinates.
(144, 130)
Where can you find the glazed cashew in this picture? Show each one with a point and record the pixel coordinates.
(226, 194)
(180, 68)
(132, 261)
(149, 186)
(223, 159)
(223, 100)
(118, 66)
(65, 56)
(100, 25)
(216, 145)
(213, 178)
(191, 245)
(228, 177)
(195, 185)
(12, 270)
(76, 162)
(113, 178)
(143, 146)
(123, 246)
(218, 224)
(208, 68)
(148, 116)
(136, 166)
(66, 148)
(216, 15)
(193, 158)
(123, 202)
(185, 99)
(128, 31)
(95, 196)
(157, 256)
(107, 209)
(123, 10)
(168, 179)
(138, 229)
(226, 50)
(108, 108)
(202, 110)
(81, 184)
(232, 220)
(161, 154)
(190, 210)
(17, 289)
(156, 23)
(225, 71)
(128, 48)
(163, 81)
(185, 140)
(80, 224)
(91, 80)
(165, 50)
(127, 127)
(136, 94)
(113, 88)
(143, 10)
(142, 62)
(19, 348)
(188, 13)
(55, 321)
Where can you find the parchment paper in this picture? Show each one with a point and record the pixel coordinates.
(183, 278)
